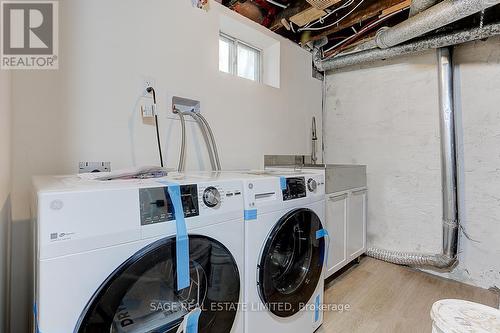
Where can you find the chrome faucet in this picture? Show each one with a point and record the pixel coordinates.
(314, 139)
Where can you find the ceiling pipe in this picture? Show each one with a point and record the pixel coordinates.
(448, 257)
(420, 45)
(418, 6)
(437, 16)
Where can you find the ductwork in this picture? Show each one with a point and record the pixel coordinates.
(448, 257)
(437, 16)
(420, 45)
(444, 13)
(418, 6)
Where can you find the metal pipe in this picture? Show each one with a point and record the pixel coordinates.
(182, 155)
(448, 257)
(418, 6)
(203, 130)
(421, 45)
(212, 139)
(444, 13)
(448, 153)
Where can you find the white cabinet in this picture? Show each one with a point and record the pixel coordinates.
(346, 226)
(336, 223)
(356, 226)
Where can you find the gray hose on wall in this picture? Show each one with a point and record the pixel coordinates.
(213, 144)
(182, 155)
(448, 257)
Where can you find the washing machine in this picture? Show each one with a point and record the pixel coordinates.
(285, 246)
(107, 255)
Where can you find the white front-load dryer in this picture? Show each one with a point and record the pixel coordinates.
(105, 255)
(285, 246)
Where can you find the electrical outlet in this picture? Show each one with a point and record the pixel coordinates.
(146, 104)
(147, 82)
(87, 167)
(147, 109)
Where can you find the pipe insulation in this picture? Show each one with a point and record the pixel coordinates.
(417, 46)
(418, 6)
(448, 257)
(437, 16)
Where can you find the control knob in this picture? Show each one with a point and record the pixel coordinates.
(211, 197)
(312, 185)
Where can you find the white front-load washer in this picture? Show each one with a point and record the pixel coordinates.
(105, 255)
(284, 251)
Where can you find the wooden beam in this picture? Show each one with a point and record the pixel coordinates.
(395, 8)
(306, 16)
(286, 13)
(372, 10)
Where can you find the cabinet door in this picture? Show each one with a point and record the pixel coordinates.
(356, 227)
(336, 220)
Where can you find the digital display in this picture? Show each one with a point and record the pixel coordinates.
(295, 188)
(156, 205)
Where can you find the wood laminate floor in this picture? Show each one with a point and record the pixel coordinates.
(388, 298)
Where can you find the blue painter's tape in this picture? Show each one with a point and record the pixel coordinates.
(173, 190)
(192, 321)
(323, 233)
(316, 309)
(250, 214)
(35, 314)
(283, 183)
(181, 238)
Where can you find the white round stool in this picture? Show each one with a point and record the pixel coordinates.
(458, 316)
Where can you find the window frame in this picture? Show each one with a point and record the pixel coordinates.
(233, 57)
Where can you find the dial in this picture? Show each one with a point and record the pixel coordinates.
(312, 185)
(211, 197)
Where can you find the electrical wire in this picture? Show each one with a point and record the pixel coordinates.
(151, 91)
(366, 28)
(334, 23)
(277, 4)
(322, 19)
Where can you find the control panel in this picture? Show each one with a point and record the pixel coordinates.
(295, 188)
(156, 205)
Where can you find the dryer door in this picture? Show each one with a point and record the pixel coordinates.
(291, 263)
(141, 295)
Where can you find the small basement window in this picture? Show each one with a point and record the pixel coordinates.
(239, 58)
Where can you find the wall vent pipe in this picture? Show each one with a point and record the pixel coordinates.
(437, 16)
(417, 46)
(448, 257)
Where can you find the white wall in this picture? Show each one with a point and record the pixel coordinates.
(87, 110)
(5, 186)
(386, 116)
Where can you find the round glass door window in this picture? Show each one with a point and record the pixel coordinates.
(141, 295)
(291, 263)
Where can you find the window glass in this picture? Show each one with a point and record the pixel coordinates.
(248, 62)
(225, 54)
(238, 58)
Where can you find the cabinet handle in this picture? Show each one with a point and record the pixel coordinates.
(359, 191)
(338, 197)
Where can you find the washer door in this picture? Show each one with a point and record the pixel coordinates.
(291, 263)
(141, 296)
